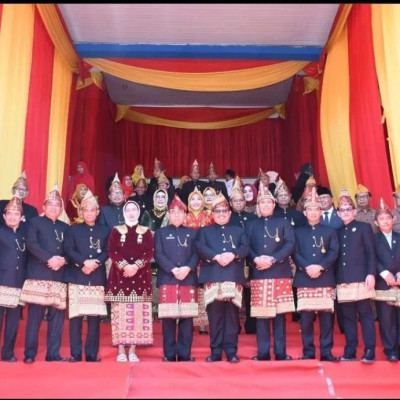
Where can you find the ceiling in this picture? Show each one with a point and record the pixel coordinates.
(198, 32)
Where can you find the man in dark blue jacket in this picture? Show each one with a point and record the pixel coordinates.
(86, 245)
(177, 259)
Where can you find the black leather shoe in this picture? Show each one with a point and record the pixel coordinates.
(368, 357)
(233, 359)
(168, 359)
(213, 358)
(392, 357)
(93, 359)
(283, 357)
(307, 357)
(329, 357)
(203, 332)
(29, 360)
(75, 359)
(186, 359)
(59, 358)
(261, 358)
(348, 357)
(11, 359)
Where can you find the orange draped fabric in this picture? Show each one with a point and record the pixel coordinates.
(369, 145)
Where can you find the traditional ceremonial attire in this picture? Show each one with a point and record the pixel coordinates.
(131, 314)
(175, 247)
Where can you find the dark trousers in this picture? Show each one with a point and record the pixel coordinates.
(389, 327)
(223, 317)
(264, 336)
(55, 325)
(325, 335)
(92, 341)
(351, 312)
(250, 322)
(11, 316)
(180, 345)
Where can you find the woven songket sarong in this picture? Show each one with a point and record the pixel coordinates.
(175, 301)
(391, 296)
(202, 318)
(270, 297)
(223, 291)
(131, 324)
(10, 297)
(86, 300)
(45, 293)
(353, 292)
(315, 299)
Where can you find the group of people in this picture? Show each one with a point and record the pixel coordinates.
(209, 253)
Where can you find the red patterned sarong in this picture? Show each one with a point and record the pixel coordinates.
(86, 300)
(131, 324)
(315, 299)
(10, 297)
(45, 293)
(175, 301)
(270, 297)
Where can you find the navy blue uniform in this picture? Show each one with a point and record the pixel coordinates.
(28, 212)
(295, 218)
(223, 316)
(356, 260)
(12, 274)
(388, 315)
(79, 248)
(175, 247)
(189, 186)
(274, 237)
(307, 252)
(111, 215)
(44, 239)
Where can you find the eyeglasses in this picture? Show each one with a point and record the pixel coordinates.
(348, 209)
(221, 211)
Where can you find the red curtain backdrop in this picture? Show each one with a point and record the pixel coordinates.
(300, 134)
(38, 114)
(367, 133)
(243, 149)
(91, 137)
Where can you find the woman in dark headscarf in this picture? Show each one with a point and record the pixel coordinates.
(250, 195)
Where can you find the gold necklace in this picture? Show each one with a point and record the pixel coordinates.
(95, 245)
(184, 244)
(276, 236)
(320, 244)
(21, 249)
(59, 238)
(228, 241)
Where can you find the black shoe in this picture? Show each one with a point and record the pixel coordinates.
(329, 357)
(186, 359)
(10, 359)
(105, 319)
(29, 360)
(203, 332)
(75, 359)
(348, 357)
(307, 357)
(233, 359)
(213, 358)
(392, 357)
(283, 357)
(261, 358)
(93, 359)
(58, 358)
(168, 359)
(368, 357)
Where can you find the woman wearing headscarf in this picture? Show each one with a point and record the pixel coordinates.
(157, 216)
(129, 285)
(83, 175)
(209, 195)
(127, 185)
(138, 173)
(250, 195)
(74, 204)
(196, 218)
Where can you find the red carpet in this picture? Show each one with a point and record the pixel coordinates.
(151, 378)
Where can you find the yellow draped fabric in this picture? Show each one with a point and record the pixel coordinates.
(16, 41)
(335, 126)
(61, 88)
(225, 81)
(310, 84)
(386, 37)
(142, 118)
(58, 35)
(340, 25)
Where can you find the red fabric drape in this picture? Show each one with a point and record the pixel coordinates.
(38, 114)
(91, 137)
(300, 133)
(243, 149)
(367, 133)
